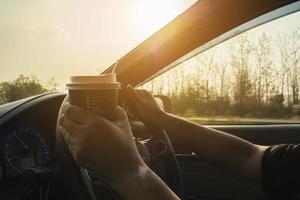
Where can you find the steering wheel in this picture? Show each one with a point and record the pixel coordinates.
(74, 182)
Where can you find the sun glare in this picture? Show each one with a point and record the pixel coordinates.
(148, 16)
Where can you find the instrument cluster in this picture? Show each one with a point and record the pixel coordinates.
(25, 148)
(27, 137)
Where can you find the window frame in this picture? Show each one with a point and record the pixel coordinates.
(263, 19)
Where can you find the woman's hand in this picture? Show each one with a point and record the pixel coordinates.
(107, 148)
(147, 107)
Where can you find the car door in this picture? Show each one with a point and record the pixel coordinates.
(204, 180)
(247, 86)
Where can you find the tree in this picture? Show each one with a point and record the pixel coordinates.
(240, 61)
(263, 56)
(206, 61)
(22, 87)
(295, 59)
(245, 76)
(289, 48)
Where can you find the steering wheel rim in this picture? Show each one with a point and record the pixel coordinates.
(74, 183)
(169, 161)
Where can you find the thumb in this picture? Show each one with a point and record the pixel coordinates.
(122, 120)
(122, 115)
(133, 95)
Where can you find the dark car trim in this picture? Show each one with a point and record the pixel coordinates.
(24, 105)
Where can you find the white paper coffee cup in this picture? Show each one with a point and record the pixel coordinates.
(98, 94)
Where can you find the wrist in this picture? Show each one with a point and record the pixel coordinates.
(142, 184)
(131, 180)
(162, 118)
(165, 119)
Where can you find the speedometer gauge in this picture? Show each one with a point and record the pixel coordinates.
(25, 148)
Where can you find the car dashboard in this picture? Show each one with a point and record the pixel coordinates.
(27, 134)
(27, 138)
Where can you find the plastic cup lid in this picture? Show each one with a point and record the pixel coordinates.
(105, 81)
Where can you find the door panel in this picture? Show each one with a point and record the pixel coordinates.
(203, 180)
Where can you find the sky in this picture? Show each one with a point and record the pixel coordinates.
(60, 38)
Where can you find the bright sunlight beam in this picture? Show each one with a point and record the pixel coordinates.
(148, 16)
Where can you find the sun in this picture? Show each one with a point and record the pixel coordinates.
(148, 16)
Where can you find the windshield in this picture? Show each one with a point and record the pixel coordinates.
(48, 41)
(251, 78)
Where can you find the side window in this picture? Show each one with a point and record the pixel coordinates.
(252, 78)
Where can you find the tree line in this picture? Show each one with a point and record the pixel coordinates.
(251, 75)
(24, 86)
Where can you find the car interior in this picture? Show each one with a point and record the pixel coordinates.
(52, 173)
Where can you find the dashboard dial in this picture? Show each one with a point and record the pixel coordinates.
(25, 148)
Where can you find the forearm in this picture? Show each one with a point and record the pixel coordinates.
(144, 185)
(229, 152)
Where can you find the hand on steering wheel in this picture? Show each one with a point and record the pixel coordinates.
(108, 149)
(147, 107)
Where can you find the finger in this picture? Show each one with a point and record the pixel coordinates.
(69, 126)
(121, 113)
(73, 112)
(145, 95)
(148, 98)
(71, 143)
(65, 105)
(122, 120)
(133, 94)
(78, 115)
(70, 132)
(65, 135)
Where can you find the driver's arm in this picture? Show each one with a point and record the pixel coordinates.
(229, 152)
(108, 149)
